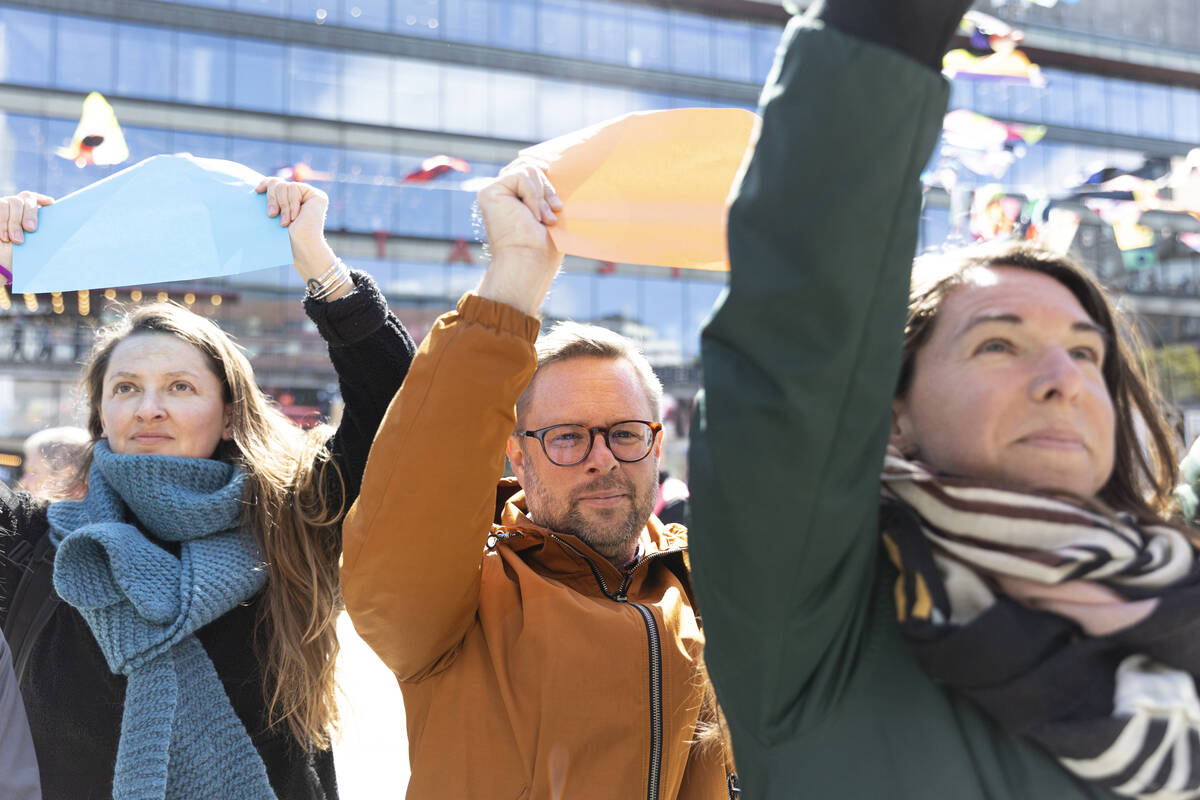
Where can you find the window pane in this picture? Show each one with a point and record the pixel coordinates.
(766, 39)
(313, 82)
(145, 61)
(1122, 105)
(416, 94)
(366, 88)
(22, 153)
(699, 299)
(366, 14)
(260, 155)
(462, 215)
(145, 142)
(367, 180)
(1185, 114)
(512, 24)
(691, 43)
(465, 20)
(603, 103)
(1058, 98)
(514, 106)
(1154, 111)
(272, 8)
(258, 75)
(416, 17)
(203, 69)
(85, 57)
(647, 38)
(318, 12)
(418, 211)
(466, 100)
(560, 107)
(203, 145)
(604, 31)
(326, 162)
(24, 47)
(660, 313)
(559, 27)
(62, 176)
(571, 297)
(1089, 95)
(732, 50)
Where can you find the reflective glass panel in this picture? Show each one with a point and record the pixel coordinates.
(258, 75)
(204, 69)
(84, 55)
(24, 47)
(314, 82)
(366, 88)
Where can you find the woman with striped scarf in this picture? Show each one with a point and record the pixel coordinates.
(1005, 605)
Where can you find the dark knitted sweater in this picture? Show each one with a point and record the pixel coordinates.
(74, 702)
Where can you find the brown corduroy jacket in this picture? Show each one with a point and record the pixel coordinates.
(530, 666)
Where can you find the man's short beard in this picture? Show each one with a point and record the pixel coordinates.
(614, 539)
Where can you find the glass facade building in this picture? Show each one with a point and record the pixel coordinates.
(362, 91)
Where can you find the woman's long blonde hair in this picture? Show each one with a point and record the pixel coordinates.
(293, 502)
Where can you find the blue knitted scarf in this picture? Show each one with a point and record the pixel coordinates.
(180, 737)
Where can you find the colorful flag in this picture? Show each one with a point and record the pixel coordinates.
(98, 138)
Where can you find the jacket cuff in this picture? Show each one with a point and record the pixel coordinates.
(352, 318)
(501, 316)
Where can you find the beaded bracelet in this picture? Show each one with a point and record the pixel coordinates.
(333, 279)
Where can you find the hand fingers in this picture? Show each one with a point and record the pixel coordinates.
(269, 185)
(526, 178)
(290, 202)
(14, 212)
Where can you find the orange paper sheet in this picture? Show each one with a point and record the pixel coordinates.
(649, 187)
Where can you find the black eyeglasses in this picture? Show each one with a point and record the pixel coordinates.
(567, 445)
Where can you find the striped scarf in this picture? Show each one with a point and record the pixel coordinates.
(1073, 628)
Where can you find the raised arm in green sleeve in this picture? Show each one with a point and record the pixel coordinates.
(800, 360)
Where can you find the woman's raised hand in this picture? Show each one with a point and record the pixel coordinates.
(18, 216)
(301, 209)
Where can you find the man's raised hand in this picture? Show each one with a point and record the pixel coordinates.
(517, 208)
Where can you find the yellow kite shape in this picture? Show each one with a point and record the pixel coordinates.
(649, 187)
(98, 138)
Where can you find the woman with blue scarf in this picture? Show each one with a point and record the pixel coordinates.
(193, 653)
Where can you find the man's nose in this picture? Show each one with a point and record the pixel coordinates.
(601, 458)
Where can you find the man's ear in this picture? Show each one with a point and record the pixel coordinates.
(516, 457)
(901, 436)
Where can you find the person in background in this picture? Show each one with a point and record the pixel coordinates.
(18, 763)
(52, 459)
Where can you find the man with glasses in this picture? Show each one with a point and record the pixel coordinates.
(541, 627)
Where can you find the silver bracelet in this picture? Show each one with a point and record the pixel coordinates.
(333, 279)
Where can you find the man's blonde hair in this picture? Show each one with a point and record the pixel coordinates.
(567, 340)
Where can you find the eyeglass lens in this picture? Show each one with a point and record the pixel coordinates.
(570, 444)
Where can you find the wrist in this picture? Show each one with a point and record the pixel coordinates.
(312, 260)
(518, 279)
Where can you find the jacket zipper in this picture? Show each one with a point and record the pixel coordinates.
(652, 637)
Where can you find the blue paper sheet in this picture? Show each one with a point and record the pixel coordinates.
(168, 218)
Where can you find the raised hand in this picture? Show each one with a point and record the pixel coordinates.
(517, 208)
(301, 209)
(18, 216)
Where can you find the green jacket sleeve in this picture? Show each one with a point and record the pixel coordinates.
(800, 359)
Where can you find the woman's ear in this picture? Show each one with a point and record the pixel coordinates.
(901, 435)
